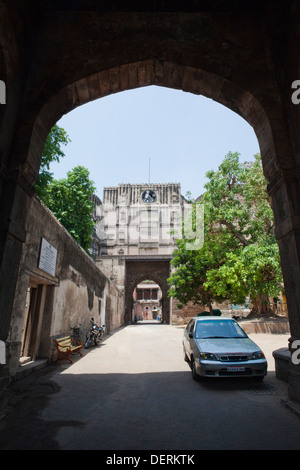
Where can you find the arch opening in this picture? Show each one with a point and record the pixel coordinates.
(152, 72)
(147, 302)
(142, 74)
(154, 270)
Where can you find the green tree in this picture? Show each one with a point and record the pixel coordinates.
(70, 200)
(254, 271)
(188, 282)
(52, 153)
(236, 199)
(239, 218)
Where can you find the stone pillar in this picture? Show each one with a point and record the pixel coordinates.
(17, 191)
(284, 189)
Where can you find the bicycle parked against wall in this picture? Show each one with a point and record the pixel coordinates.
(76, 333)
(94, 335)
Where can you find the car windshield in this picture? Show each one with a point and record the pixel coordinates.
(218, 329)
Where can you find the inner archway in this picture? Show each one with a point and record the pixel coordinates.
(147, 302)
(136, 271)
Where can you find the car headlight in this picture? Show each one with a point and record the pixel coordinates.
(258, 355)
(207, 356)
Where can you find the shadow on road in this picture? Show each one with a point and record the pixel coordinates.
(55, 409)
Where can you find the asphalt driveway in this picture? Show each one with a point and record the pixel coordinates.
(135, 392)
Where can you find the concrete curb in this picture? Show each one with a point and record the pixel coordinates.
(290, 406)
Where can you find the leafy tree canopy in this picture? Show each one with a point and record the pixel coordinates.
(52, 153)
(70, 200)
(240, 255)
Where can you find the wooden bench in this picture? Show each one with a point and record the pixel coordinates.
(66, 346)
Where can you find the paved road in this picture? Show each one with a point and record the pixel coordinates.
(135, 392)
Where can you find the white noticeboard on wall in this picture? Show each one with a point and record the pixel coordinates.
(48, 257)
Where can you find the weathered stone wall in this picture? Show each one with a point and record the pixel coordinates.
(181, 316)
(77, 292)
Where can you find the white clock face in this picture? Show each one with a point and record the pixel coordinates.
(148, 196)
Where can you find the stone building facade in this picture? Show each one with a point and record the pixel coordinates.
(139, 223)
(141, 219)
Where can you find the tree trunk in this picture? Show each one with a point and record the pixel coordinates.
(261, 307)
(210, 308)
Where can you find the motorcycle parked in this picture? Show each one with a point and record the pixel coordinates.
(94, 335)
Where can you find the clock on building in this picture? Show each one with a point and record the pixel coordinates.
(148, 196)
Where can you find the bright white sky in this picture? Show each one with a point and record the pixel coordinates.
(182, 134)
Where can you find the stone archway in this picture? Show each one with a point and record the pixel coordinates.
(261, 110)
(31, 133)
(137, 270)
(242, 54)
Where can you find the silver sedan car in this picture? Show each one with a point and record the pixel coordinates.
(219, 347)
